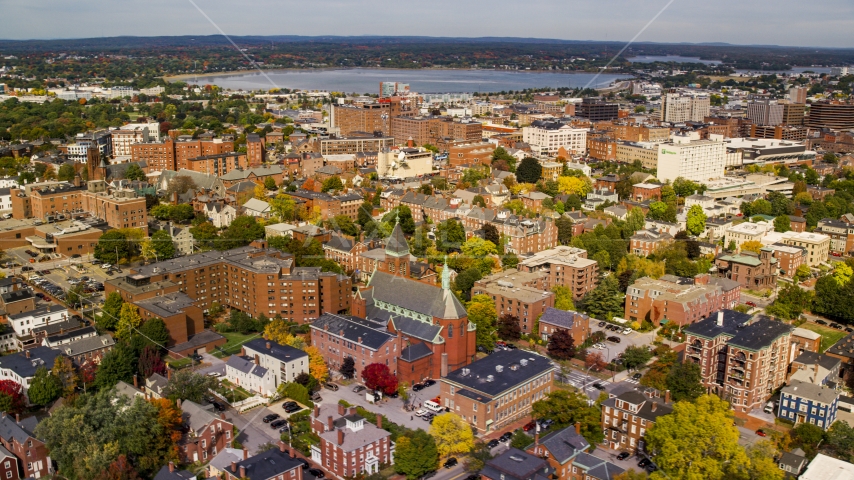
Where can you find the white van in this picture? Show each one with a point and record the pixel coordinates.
(769, 407)
(433, 407)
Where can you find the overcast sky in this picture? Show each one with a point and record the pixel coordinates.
(829, 23)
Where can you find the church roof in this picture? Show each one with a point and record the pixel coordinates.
(416, 296)
(396, 244)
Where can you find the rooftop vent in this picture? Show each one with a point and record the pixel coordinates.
(517, 458)
(489, 378)
(524, 362)
(466, 372)
(499, 368)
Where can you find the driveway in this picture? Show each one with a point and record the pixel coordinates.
(392, 408)
(613, 350)
(252, 432)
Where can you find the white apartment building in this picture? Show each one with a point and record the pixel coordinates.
(817, 245)
(284, 362)
(546, 138)
(747, 232)
(680, 107)
(693, 159)
(132, 133)
(23, 323)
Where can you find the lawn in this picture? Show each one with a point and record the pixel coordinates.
(829, 336)
(232, 392)
(178, 363)
(234, 341)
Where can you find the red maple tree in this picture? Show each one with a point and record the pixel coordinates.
(11, 397)
(377, 376)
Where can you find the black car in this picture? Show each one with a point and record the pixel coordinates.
(417, 387)
(429, 382)
(292, 408)
(644, 462)
(821, 322)
(506, 436)
(26, 268)
(849, 329)
(318, 473)
(624, 456)
(601, 324)
(76, 255)
(284, 429)
(392, 395)
(651, 468)
(598, 386)
(450, 463)
(614, 339)
(278, 424)
(218, 406)
(637, 376)
(511, 346)
(303, 462)
(289, 403)
(269, 418)
(493, 443)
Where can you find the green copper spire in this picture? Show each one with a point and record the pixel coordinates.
(446, 275)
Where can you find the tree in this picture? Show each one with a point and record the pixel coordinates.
(12, 399)
(508, 327)
(150, 362)
(112, 247)
(782, 224)
(802, 273)
(476, 247)
(333, 183)
(66, 173)
(686, 188)
(574, 185)
(752, 246)
(120, 469)
(595, 361)
(44, 388)
(453, 435)
(636, 356)
(685, 381)
(278, 331)
(270, 183)
(568, 408)
(840, 440)
(563, 298)
(243, 230)
(188, 385)
(530, 170)
(662, 212)
(481, 312)
(450, 235)
(490, 234)
(180, 185)
(162, 244)
(606, 300)
(117, 364)
(316, 366)
(134, 172)
(564, 230)
(415, 454)
(830, 157)
(761, 461)
(154, 333)
(343, 224)
(348, 368)
(561, 345)
(377, 376)
(791, 301)
(65, 376)
(696, 220)
(129, 321)
(465, 280)
(635, 220)
(520, 440)
(478, 457)
(698, 440)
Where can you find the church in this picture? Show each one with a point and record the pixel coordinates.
(418, 329)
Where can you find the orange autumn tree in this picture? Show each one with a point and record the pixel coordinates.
(169, 417)
(316, 366)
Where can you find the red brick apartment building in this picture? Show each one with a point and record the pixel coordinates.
(218, 164)
(349, 444)
(750, 270)
(273, 464)
(602, 148)
(742, 359)
(175, 154)
(255, 149)
(565, 266)
(841, 235)
(574, 323)
(206, 436)
(252, 279)
(471, 154)
(567, 452)
(19, 440)
(516, 293)
(352, 119)
(680, 300)
(339, 337)
(628, 416)
(644, 242)
(642, 192)
(497, 390)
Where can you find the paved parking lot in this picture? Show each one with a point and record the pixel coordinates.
(612, 350)
(392, 408)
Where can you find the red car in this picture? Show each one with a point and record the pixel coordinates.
(751, 304)
(530, 426)
(761, 433)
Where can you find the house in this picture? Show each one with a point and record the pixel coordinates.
(257, 208)
(86, 349)
(628, 416)
(222, 462)
(245, 372)
(617, 211)
(155, 385)
(349, 444)
(279, 230)
(644, 242)
(514, 464)
(533, 201)
(599, 197)
(792, 463)
(181, 236)
(21, 367)
(170, 472)
(274, 464)
(561, 448)
(17, 438)
(9, 465)
(206, 434)
(749, 269)
(823, 467)
(283, 361)
(815, 368)
(219, 214)
(574, 323)
(594, 468)
(805, 402)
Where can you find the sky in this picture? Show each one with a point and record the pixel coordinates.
(765, 22)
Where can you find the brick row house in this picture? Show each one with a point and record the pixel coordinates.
(205, 435)
(627, 417)
(17, 438)
(517, 294)
(564, 266)
(349, 444)
(750, 270)
(576, 324)
(743, 359)
(678, 299)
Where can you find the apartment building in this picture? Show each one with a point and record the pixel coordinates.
(251, 279)
(479, 153)
(565, 266)
(817, 245)
(681, 107)
(207, 433)
(547, 138)
(514, 294)
(750, 270)
(218, 164)
(841, 235)
(355, 143)
(256, 151)
(574, 323)
(691, 158)
(835, 115)
(642, 192)
(747, 232)
(676, 299)
(159, 156)
(349, 444)
(742, 359)
(30, 452)
(788, 258)
(596, 110)
(284, 362)
(627, 417)
(497, 390)
(339, 337)
(370, 117)
(122, 138)
(644, 242)
(187, 148)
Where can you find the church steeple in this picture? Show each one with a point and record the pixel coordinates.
(396, 245)
(446, 275)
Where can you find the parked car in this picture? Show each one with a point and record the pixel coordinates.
(506, 436)
(761, 433)
(493, 443)
(637, 376)
(598, 386)
(836, 325)
(623, 455)
(331, 386)
(292, 408)
(359, 388)
(428, 475)
(318, 473)
(821, 322)
(529, 426)
(450, 463)
(613, 339)
(644, 462)
(429, 382)
(218, 406)
(269, 418)
(278, 424)
(417, 387)
(601, 324)
(651, 468)
(751, 304)
(627, 331)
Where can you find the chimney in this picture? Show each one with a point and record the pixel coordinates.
(27, 353)
(720, 321)
(281, 446)
(245, 456)
(816, 372)
(171, 467)
(341, 410)
(292, 453)
(360, 340)
(178, 403)
(410, 143)
(17, 418)
(444, 367)
(316, 411)
(340, 437)
(667, 396)
(269, 347)
(242, 471)
(536, 440)
(242, 351)
(379, 421)
(352, 410)
(257, 359)
(329, 426)
(135, 382)
(234, 467)
(222, 416)
(654, 406)
(578, 428)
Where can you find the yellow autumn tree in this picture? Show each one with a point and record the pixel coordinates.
(316, 366)
(278, 331)
(751, 246)
(260, 192)
(129, 320)
(641, 266)
(453, 435)
(574, 185)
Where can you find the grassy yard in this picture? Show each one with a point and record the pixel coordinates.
(232, 392)
(178, 363)
(829, 336)
(234, 342)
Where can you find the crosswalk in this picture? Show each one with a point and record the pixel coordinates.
(631, 380)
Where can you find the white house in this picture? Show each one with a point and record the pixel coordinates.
(21, 367)
(285, 362)
(244, 372)
(23, 323)
(219, 214)
(257, 208)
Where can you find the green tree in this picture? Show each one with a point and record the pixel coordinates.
(109, 317)
(134, 172)
(283, 207)
(333, 183)
(419, 243)
(205, 234)
(698, 440)
(44, 388)
(481, 312)
(118, 364)
(520, 440)
(155, 333)
(636, 356)
(415, 454)
(242, 231)
(465, 280)
(270, 184)
(476, 247)
(450, 235)
(162, 244)
(188, 385)
(606, 300)
(112, 247)
(530, 170)
(685, 381)
(66, 173)
(791, 301)
(129, 321)
(563, 298)
(568, 408)
(564, 230)
(343, 224)
(696, 220)
(782, 224)
(635, 220)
